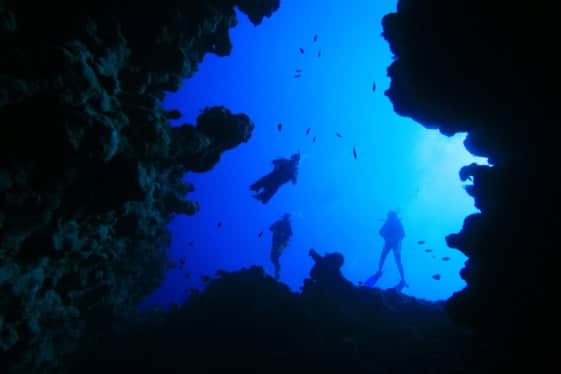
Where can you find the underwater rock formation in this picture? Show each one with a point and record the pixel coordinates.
(90, 170)
(247, 321)
(482, 67)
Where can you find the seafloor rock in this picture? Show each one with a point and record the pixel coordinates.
(90, 172)
(247, 321)
(483, 68)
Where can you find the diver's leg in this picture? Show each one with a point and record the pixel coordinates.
(275, 260)
(257, 185)
(261, 182)
(383, 256)
(397, 256)
(259, 196)
(374, 279)
(268, 193)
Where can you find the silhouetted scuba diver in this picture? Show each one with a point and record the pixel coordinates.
(282, 232)
(393, 233)
(285, 170)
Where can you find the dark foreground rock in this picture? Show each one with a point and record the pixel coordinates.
(245, 321)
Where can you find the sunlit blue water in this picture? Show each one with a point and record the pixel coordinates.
(339, 203)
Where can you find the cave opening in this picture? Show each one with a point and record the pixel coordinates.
(328, 75)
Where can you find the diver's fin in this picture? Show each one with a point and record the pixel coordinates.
(373, 279)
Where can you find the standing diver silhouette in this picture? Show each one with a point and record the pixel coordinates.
(282, 232)
(393, 233)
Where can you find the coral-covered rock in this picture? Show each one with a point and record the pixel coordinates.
(90, 172)
(217, 130)
(256, 10)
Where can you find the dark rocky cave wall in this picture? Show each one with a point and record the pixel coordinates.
(484, 67)
(90, 170)
(91, 173)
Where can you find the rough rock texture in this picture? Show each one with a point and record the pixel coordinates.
(246, 321)
(90, 170)
(484, 68)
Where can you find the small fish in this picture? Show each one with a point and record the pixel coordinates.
(181, 262)
(308, 131)
(301, 50)
(354, 152)
(373, 86)
(298, 70)
(428, 250)
(260, 234)
(314, 140)
(315, 38)
(279, 126)
(297, 75)
(338, 135)
(445, 258)
(205, 278)
(219, 224)
(319, 52)
(421, 242)
(187, 275)
(190, 244)
(360, 283)
(436, 277)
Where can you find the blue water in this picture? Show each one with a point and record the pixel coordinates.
(339, 203)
